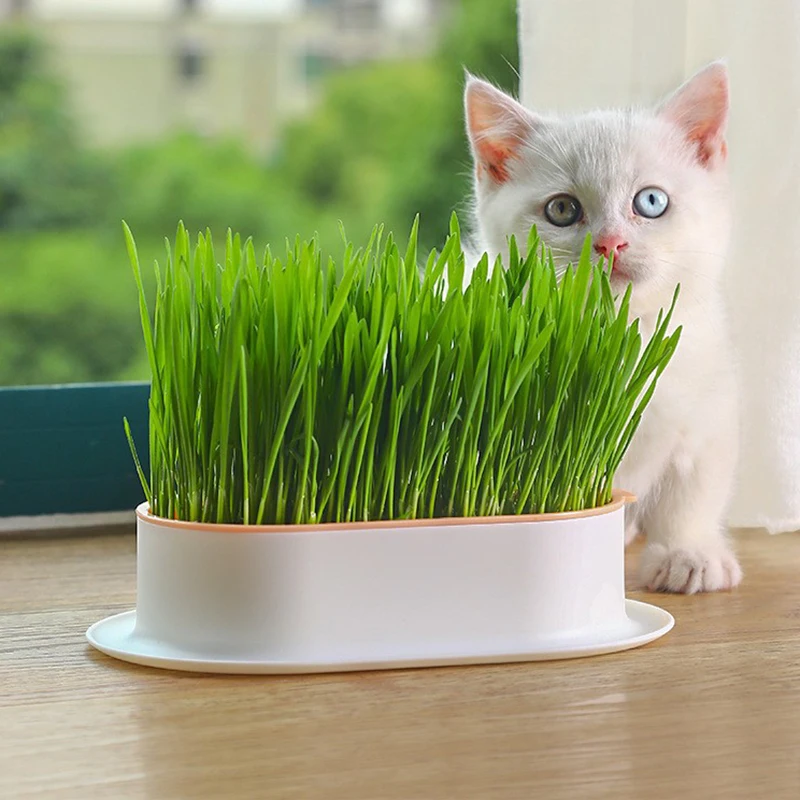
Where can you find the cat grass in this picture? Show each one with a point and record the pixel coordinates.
(287, 388)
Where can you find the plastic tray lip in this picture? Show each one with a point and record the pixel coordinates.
(115, 637)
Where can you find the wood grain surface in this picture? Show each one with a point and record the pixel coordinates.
(710, 711)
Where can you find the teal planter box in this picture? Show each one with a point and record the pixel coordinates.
(63, 448)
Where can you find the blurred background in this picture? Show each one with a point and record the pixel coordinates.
(272, 117)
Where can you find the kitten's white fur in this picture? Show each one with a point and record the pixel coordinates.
(682, 461)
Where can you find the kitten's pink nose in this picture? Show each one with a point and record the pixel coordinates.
(605, 245)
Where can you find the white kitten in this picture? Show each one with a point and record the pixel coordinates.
(651, 187)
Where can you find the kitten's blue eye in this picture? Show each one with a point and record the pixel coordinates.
(650, 202)
(563, 210)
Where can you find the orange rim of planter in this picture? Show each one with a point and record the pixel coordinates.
(619, 499)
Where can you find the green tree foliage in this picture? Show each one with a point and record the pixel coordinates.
(351, 159)
(385, 142)
(482, 39)
(46, 179)
(66, 314)
(388, 141)
(206, 183)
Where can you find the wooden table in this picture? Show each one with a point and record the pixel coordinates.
(710, 711)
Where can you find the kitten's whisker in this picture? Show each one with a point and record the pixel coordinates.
(681, 265)
(696, 277)
(531, 147)
(561, 251)
(566, 156)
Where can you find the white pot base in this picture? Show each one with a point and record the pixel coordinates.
(115, 636)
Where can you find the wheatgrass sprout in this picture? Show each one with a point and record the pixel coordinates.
(288, 389)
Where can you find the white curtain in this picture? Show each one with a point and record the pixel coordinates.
(589, 53)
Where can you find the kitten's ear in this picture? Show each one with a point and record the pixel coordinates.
(700, 109)
(497, 126)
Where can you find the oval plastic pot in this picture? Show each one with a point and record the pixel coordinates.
(299, 598)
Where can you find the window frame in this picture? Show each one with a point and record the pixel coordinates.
(63, 448)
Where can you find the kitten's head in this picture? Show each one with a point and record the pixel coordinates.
(650, 186)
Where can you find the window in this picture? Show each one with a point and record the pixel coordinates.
(191, 62)
(358, 14)
(316, 65)
(63, 449)
(112, 144)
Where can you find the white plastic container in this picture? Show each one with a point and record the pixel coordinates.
(283, 599)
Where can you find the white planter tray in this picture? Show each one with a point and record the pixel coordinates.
(329, 598)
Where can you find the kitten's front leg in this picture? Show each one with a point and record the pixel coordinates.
(687, 544)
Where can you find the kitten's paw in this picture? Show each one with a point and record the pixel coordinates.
(689, 570)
